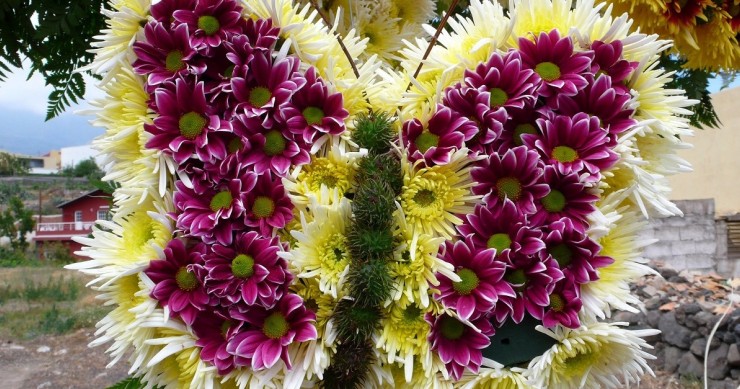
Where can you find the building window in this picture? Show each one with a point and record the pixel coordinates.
(78, 216)
(103, 214)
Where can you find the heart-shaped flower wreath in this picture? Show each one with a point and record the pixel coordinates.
(303, 205)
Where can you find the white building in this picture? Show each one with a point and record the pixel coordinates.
(73, 155)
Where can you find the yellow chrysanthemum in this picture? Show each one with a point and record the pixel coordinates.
(177, 362)
(419, 378)
(598, 355)
(321, 251)
(536, 16)
(413, 11)
(316, 354)
(432, 196)
(501, 378)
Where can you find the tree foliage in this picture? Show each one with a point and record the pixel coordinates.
(10, 165)
(54, 36)
(86, 168)
(15, 223)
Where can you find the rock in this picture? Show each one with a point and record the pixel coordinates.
(690, 323)
(44, 385)
(60, 352)
(690, 308)
(735, 374)
(717, 362)
(699, 345)
(704, 318)
(733, 356)
(653, 303)
(689, 365)
(737, 329)
(694, 336)
(678, 279)
(628, 317)
(652, 318)
(672, 357)
(43, 349)
(673, 333)
(649, 291)
(729, 338)
(668, 272)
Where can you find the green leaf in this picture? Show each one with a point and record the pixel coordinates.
(128, 383)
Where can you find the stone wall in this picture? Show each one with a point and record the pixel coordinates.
(695, 241)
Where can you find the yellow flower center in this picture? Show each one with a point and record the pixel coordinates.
(191, 125)
(557, 303)
(564, 154)
(562, 254)
(313, 115)
(548, 71)
(185, 279)
(516, 277)
(234, 145)
(578, 364)
(242, 266)
(221, 200)
(325, 171)
(263, 207)
(275, 326)
(173, 62)
(424, 197)
(426, 140)
(468, 281)
(274, 143)
(500, 242)
(452, 328)
(498, 97)
(554, 201)
(209, 24)
(509, 187)
(521, 129)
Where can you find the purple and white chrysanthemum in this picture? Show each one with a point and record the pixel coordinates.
(459, 345)
(165, 54)
(608, 61)
(553, 59)
(510, 85)
(178, 281)
(599, 99)
(565, 303)
(186, 123)
(163, 10)
(270, 149)
(313, 112)
(474, 105)
(259, 35)
(267, 205)
(481, 280)
(214, 331)
(445, 132)
(520, 122)
(576, 254)
(211, 21)
(503, 228)
(213, 213)
(568, 197)
(248, 271)
(533, 280)
(515, 175)
(574, 145)
(273, 331)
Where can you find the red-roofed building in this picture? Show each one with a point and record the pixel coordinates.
(78, 217)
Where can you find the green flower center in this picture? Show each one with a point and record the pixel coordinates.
(424, 197)
(564, 154)
(556, 302)
(234, 145)
(185, 279)
(191, 124)
(229, 71)
(562, 254)
(498, 97)
(329, 181)
(208, 24)
(263, 207)
(174, 62)
(425, 141)
(259, 96)
(221, 200)
(579, 364)
(225, 326)
(274, 143)
(516, 277)
(548, 71)
(521, 129)
(452, 328)
(554, 201)
(275, 326)
(509, 187)
(242, 266)
(313, 115)
(468, 281)
(411, 313)
(500, 242)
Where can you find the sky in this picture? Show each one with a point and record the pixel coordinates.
(23, 109)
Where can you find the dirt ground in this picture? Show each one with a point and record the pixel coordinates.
(61, 362)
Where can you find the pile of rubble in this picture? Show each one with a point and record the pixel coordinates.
(685, 307)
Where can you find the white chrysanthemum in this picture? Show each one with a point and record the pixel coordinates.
(624, 243)
(597, 355)
(420, 378)
(112, 48)
(332, 170)
(431, 197)
(126, 244)
(321, 246)
(499, 378)
(531, 17)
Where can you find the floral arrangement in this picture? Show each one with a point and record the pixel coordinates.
(705, 32)
(293, 210)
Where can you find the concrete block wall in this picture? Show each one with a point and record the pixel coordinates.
(695, 241)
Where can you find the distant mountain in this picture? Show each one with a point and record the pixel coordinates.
(26, 133)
